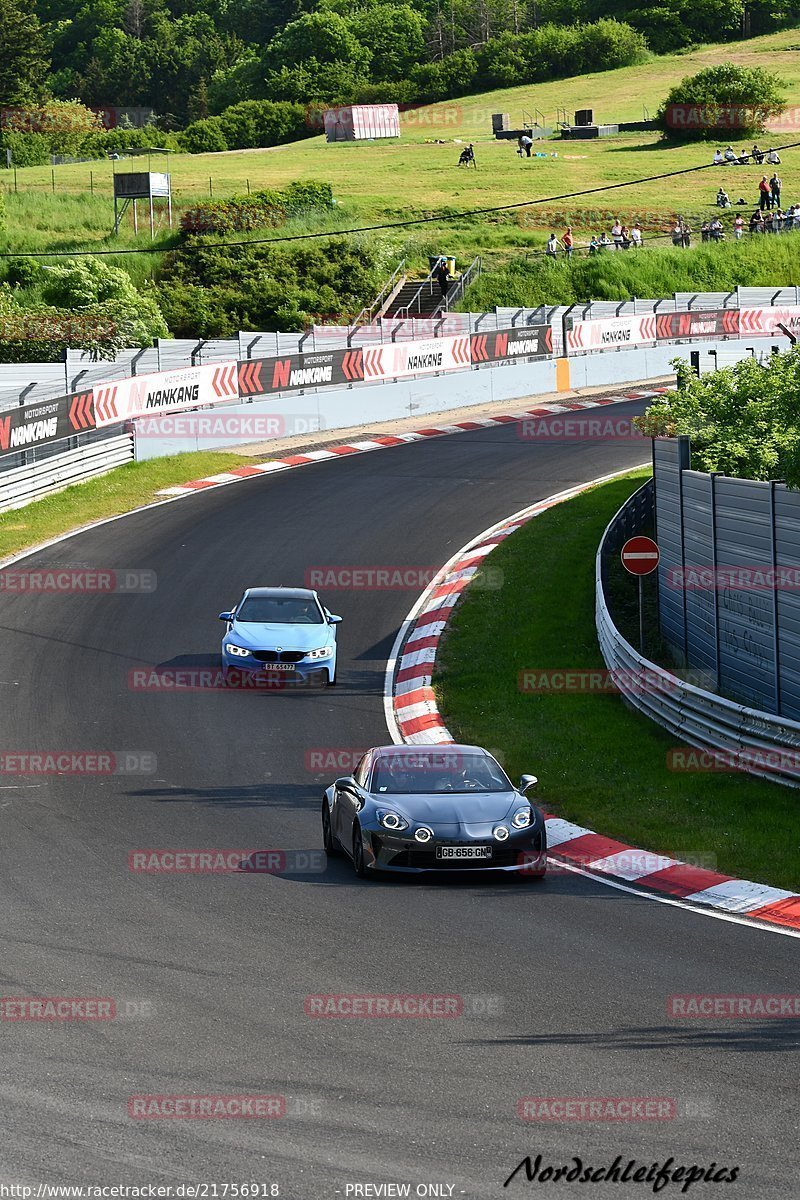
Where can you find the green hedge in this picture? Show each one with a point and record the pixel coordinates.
(240, 213)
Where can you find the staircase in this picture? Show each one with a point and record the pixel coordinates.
(416, 298)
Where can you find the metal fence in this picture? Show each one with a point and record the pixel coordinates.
(729, 578)
(22, 484)
(27, 382)
(726, 732)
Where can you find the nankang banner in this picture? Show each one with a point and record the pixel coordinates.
(34, 424)
(527, 341)
(704, 323)
(165, 391)
(292, 372)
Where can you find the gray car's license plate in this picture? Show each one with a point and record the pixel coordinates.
(463, 851)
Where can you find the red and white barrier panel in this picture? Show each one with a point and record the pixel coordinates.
(395, 359)
(166, 391)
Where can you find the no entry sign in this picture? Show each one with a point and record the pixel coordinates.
(640, 555)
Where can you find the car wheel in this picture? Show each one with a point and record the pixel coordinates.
(329, 843)
(359, 866)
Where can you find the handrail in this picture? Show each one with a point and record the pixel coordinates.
(415, 301)
(456, 293)
(370, 310)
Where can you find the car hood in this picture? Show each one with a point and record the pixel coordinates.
(453, 808)
(257, 636)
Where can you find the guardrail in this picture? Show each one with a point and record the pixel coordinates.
(730, 734)
(21, 485)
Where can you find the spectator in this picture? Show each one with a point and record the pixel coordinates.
(704, 232)
(605, 241)
(636, 236)
(552, 246)
(758, 155)
(738, 226)
(616, 234)
(775, 189)
(715, 231)
(525, 144)
(626, 238)
(681, 234)
(594, 245)
(718, 158)
(442, 276)
(723, 199)
(731, 155)
(567, 242)
(764, 199)
(744, 158)
(777, 220)
(757, 222)
(773, 159)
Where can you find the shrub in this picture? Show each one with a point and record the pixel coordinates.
(263, 123)
(755, 93)
(204, 137)
(743, 421)
(258, 209)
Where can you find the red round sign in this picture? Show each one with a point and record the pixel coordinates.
(640, 555)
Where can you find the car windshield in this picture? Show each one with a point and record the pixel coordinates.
(433, 772)
(280, 610)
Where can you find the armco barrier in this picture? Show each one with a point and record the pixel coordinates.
(758, 742)
(21, 485)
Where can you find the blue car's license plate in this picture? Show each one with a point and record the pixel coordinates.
(463, 851)
(279, 667)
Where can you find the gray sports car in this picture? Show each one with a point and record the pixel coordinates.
(434, 808)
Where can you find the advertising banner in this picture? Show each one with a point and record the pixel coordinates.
(720, 322)
(165, 391)
(527, 341)
(395, 359)
(610, 331)
(764, 322)
(291, 372)
(47, 421)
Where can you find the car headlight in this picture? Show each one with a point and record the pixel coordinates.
(237, 651)
(500, 832)
(423, 834)
(522, 818)
(323, 652)
(392, 820)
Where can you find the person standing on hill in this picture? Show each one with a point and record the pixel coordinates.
(568, 242)
(738, 226)
(764, 197)
(552, 247)
(775, 189)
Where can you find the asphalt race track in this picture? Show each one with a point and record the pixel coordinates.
(214, 969)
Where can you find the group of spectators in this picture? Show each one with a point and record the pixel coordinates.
(769, 194)
(620, 238)
(728, 156)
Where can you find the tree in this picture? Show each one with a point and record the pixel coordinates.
(323, 36)
(728, 99)
(394, 36)
(23, 61)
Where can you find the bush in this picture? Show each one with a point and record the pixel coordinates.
(264, 123)
(257, 209)
(743, 421)
(756, 93)
(204, 137)
(89, 286)
(213, 291)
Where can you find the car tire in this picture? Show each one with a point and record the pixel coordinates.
(329, 843)
(359, 866)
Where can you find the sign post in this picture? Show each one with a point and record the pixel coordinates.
(640, 557)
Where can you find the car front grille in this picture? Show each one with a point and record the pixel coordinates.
(501, 857)
(285, 656)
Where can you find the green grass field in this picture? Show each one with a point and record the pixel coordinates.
(413, 177)
(599, 763)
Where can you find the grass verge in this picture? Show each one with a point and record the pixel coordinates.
(599, 762)
(123, 489)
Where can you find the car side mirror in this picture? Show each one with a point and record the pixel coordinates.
(226, 616)
(333, 620)
(346, 783)
(527, 781)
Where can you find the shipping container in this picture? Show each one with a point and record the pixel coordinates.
(362, 122)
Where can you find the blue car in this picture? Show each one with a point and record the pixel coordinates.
(281, 632)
